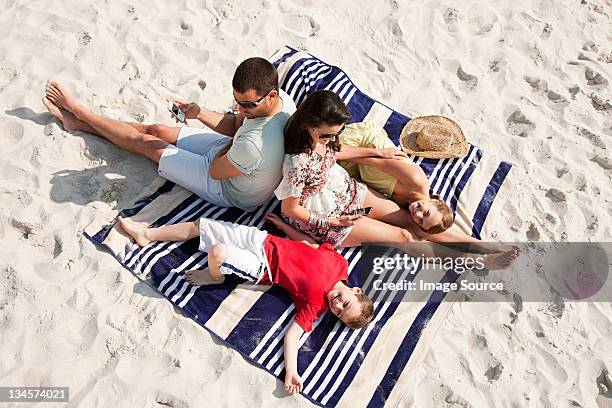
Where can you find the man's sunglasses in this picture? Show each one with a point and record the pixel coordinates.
(331, 135)
(253, 104)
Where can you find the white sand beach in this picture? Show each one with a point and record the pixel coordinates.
(529, 81)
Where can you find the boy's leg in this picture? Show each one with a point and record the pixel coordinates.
(227, 260)
(143, 235)
(213, 274)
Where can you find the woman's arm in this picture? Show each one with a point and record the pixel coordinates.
(291, 208)
(351, 152)
(293, 382)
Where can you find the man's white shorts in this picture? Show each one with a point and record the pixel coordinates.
(187, 164)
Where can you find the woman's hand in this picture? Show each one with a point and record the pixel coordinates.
(275, 220)
(344, 220)
(391, 153)
(293, 382)
(191, 109)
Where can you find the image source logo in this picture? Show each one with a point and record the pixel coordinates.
(537, 272)
(576, 271)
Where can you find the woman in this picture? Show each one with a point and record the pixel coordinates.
(318, 195)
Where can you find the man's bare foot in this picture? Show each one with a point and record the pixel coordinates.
(137, 230)
(202, 277)
(69, 121)
(60, 97)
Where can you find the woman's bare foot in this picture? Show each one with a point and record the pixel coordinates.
(137, 230)
(60, 97)
(501, 260)
(69, 121)
(202, 277)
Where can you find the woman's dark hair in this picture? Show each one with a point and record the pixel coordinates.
(321, 107)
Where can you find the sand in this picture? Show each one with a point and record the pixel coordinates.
(528, 81)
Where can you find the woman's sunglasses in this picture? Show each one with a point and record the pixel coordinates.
(253, 104)
(331, 135)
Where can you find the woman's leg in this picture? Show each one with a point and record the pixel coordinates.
(368, 230)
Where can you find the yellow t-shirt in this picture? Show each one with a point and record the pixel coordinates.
(368, 134)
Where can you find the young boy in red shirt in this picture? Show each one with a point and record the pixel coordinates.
(314, 275)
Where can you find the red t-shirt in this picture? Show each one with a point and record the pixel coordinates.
(306, 273)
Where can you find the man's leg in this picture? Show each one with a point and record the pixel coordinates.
(128, 136)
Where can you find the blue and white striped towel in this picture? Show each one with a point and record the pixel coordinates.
(373, 366)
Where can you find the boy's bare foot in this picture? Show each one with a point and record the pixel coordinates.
(202, 277)
(60, 97)
(69, 121)
(137, 230)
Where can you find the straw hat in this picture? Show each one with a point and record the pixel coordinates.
(433, 137)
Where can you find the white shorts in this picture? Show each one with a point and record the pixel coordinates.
(187, 164)
(245, 247)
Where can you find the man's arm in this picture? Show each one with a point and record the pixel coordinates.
(223, 123)
(293, 382)
(220, 167)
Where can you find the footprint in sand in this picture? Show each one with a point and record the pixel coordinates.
(594, 139)
(168, 400)
(186, 29)
(494, 372)
(84, 38)
(536, 83)
(546, 31)
(451, 18)
(574, 91)
(519, 125)
(557, 98)
(13, 136)
(600, 104)
(470, 80)
(483, 22)
(314, 26)
(497, 65)
(594, 78)
(380, 67)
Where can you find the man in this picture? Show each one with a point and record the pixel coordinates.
(238, 166)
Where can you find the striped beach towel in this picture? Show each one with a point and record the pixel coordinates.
(374, 366)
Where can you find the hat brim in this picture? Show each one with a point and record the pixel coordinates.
(459, 145)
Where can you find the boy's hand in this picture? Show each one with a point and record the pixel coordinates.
(293, 382)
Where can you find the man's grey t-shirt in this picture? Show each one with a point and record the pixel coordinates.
(257, 151)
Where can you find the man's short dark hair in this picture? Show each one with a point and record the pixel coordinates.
(255, 73)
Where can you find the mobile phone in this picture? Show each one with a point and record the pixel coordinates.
(359, 211)
(176, 111)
